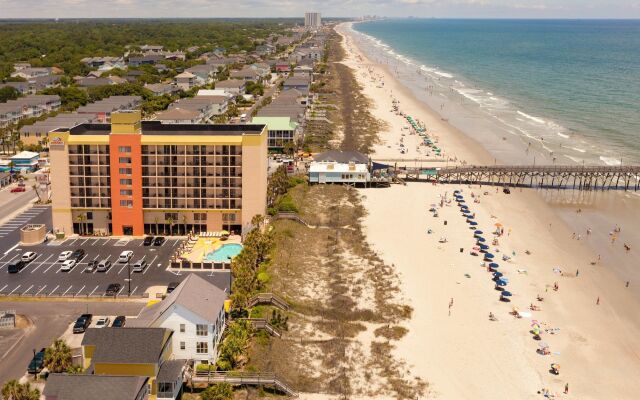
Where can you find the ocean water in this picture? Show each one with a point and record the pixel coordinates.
(564, 91)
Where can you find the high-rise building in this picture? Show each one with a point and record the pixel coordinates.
(134, 177)
(312, 19)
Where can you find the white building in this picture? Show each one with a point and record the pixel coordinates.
(312, 20)
(195, 312)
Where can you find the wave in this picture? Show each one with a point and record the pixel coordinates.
(579, 150)
(610, 161)
(574, 159)
(562, 135)
(532, 118)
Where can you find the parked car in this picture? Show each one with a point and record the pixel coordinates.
(91, 266)
(171, 286)
(148, 241)
(16, 267)
(119, 322)
(68, 265)
(140, 265)
(18, 189)
(77, 255)
(113, 289)
(125, 256)
(37, 363)
(64, 256)
(158, 241)
(104, 265)
(82, 323)
(103, 322)
(29, 256)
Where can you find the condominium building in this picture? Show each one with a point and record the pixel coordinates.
(134, 177)
(312, 19)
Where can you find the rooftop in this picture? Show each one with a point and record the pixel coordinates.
(93, 387)
(126, 345)
(158, 128)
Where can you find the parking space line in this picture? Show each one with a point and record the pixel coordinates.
(41, 289)
(150, 265)
(73, 241)
(106, 242)
(123, 267)
(4, 287)
(67, 290)
(93, 243)
(41, 264)
(96, 288)
(85, 241)
(175, 242)
(27, 291)
(10, 261)
(134, 290)
(120, 291)
(54, 290)
(17, 287)
(81, 289)
(46, 270)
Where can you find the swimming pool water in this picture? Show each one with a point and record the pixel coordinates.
(229, 250)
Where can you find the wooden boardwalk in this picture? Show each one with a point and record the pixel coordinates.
(542, 176)
(243, 378)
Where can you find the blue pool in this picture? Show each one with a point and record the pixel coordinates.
(224, 253)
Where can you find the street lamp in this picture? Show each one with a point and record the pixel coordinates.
(129, 279)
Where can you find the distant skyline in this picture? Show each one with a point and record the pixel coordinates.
(329, 8)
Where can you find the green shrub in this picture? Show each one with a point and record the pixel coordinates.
(219, 391)
(264, 277)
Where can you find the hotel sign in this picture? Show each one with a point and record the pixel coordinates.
(57, 140)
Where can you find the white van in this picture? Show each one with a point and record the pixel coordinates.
(140, 265)
(125, 256)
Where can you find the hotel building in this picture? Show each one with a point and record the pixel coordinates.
(312, 20)
(134, 177)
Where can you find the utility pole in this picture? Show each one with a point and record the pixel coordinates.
(129, 280)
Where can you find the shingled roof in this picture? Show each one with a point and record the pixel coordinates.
(126, 345)
(93, 387)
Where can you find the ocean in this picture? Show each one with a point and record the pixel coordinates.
(561, 91)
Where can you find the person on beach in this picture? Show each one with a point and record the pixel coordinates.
(555, 286)
(598, 301)
(566, 388)
(577, 272)
(627, 284)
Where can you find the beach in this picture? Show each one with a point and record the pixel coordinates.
(589, 324)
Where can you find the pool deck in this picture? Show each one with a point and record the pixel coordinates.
(205, 245)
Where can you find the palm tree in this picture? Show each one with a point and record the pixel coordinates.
(57, 357)
(156, 219)
(81, 218)
(13, 390)
(184, 223)
(35, 189)
(170, 221)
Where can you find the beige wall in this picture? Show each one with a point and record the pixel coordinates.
(60, 189)
(254, 177)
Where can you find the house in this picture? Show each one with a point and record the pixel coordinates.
(174, 56)
(148, 59)
(301, 83)
(246, 74)
(221, 62)
(21, 65)
(32, 72)
(291, 97)
(137, 352)
(334, 166)
(186, 80)
(195, 312)
(133, 75)
(180, 116)
(22, 87)
(25, 160)
(92, 81)
(282, 67)
(282, 131)
(101, 111)
(160, 89)
(30, 106)
(205, 73)
(96, 387)
(303, 70)
(37, 132)
(234, 86)
(151, 49)
(95, 62)
(208, 106)
(265, 49)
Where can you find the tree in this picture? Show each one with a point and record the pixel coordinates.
(81, 218)
(170, 221)
(13, 390)
(57, 357)
(184, 223)
(156, 219)
(218, 391)
(35, 189)
(8, 93)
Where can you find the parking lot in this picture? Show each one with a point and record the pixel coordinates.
(42, 276)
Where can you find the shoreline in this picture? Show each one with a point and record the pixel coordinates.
(465, 355)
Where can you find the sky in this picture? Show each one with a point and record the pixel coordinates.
(331, 8)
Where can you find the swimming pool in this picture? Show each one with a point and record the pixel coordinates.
(224, 253)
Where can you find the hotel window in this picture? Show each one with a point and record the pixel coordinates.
(182, 328)
(124, 149)
(202, 347)
(126, 192)
(172, 216)
(183, 346)
(201, 330)
(200, 217)
(126, 181)
(125, 171)
(126, 203)
(124, 160)
(229, 217)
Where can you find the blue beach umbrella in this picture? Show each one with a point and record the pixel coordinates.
(478, 232)
(470, 216)
(484, 247)
(501, 282)
(493, 265)
(506, 293)
(497, 274)
(481, 239)
(473, 223)
(488, 256)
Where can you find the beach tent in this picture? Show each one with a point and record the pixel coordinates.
(478, 232)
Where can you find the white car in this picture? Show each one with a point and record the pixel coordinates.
(103, 322)
(29, 256)
(64, 255)
(125, 256)
(68, 265)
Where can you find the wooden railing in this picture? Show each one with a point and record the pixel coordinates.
(244, 378)
(270, 299)
(261, 323)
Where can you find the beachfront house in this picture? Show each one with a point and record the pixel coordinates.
(345, 167)
(195, 313)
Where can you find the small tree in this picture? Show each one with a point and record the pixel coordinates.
(57, 357)
(13, 390)
(219, 391)
(171, 221)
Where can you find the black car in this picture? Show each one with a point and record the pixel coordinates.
(37, 363)
(171, 286)
(119, 321)
(113, 289)
(16, 267)
(77, 255)
(82, 323)
(158, 241)
(148, 241)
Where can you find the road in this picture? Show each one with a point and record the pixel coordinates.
(50, 320)
(11, 202)
(10, 230)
